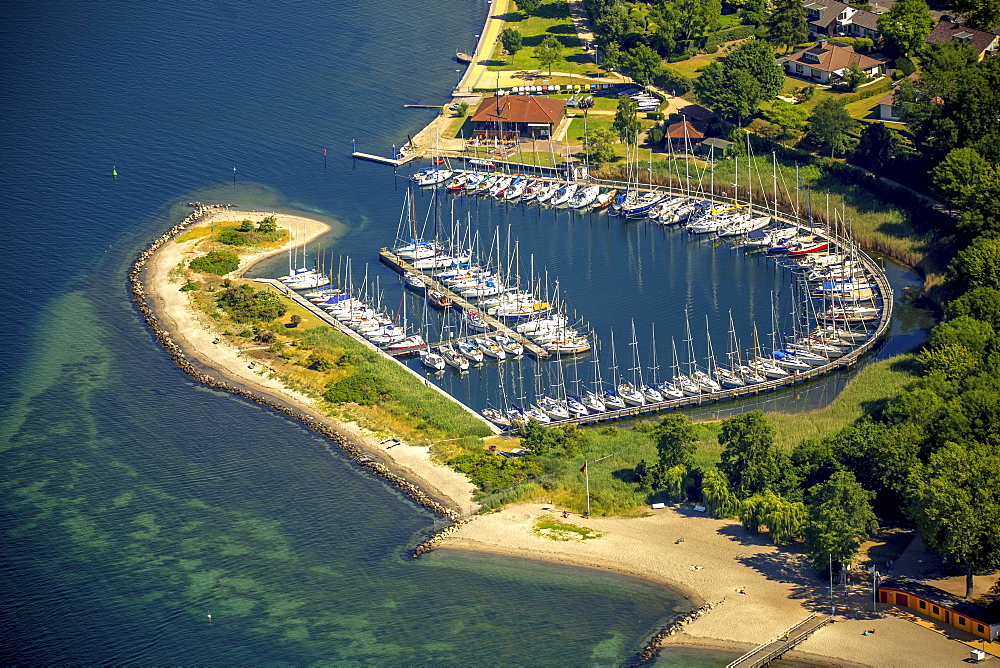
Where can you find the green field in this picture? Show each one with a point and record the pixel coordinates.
(552, 18)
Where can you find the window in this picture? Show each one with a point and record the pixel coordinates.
(798, 67)
(980, 628)
(923, 605)
(936, 610)
(961, 621)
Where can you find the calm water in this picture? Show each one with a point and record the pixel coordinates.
(135, 502)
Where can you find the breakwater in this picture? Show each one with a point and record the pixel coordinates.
(652, 648)
(141, 300)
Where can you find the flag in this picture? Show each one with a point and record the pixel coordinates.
(584, 469)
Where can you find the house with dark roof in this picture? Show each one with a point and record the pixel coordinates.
(826, 61)
(942, 606)
(682, 135)
(509, 117)
(831, 18)
(983, 43)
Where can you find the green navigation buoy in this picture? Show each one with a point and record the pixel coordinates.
(114, 172)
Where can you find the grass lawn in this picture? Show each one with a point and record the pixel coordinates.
(690, 67)
(866, 109)
(552, 18)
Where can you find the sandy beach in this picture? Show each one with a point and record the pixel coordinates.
(194, 333)
(715, 561)
(706, 560)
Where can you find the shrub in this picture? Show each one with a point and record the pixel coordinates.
(678, 84)
(729, 35)
(712, 48)
(244, 304)
(905, 65)
(678, 58)
(318, 362)
(219, 263)
(362, 388)
(189, 286)
(295, 320)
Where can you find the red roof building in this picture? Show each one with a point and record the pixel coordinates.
(682, 136)
(512, 116)
(982, 43)
(826, 61)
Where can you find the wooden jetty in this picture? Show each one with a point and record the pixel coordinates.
(383, 160)
(772, 650)
(424, 106)
(400, 265)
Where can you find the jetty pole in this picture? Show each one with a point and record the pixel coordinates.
(586, 477)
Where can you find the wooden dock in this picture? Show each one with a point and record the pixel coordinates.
(385, 161)
(400, 265)
(424, 106)
(772, 650)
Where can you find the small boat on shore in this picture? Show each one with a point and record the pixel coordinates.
(463, 57)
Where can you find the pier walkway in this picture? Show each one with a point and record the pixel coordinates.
(400, 265)
(385, 161)
(773, 649)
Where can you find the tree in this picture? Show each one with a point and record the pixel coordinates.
(982, 14)
(955, 502)
(756, 12)
(907, 25)
(977, 266)
(529, 7)
(783, 518)
(878, 147)
(549, 52)
(830, 125)
(960, 174)
(246, 225)
(854, 76)
(737, 84)
(642, 64)
(840, 519)
(675, 440)
(626, 123)
(245, 304)
(295, 320)
(216, 262)
(599, 143)
(612, 57)
(789, 116)
(268, 225)
(750, 460)
(787, 25)
(511, 40)
(717, 496)
(462, 108)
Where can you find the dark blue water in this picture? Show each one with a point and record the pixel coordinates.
(135, 502)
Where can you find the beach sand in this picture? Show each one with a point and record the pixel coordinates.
(715, 560)
(194, 333)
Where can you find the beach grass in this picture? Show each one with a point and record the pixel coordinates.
(555, 529)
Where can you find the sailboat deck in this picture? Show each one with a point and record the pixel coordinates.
(400, 265)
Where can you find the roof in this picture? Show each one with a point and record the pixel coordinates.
(677, 131)
(520, 109)
(696, 112)
(946, 30)
(890, 97)
(832, 58)
(944, 599)
(828, 10)
(715, 142)
(865, 19)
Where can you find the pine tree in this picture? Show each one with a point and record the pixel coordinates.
(787, 26)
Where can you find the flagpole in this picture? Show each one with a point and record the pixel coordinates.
(586, 475)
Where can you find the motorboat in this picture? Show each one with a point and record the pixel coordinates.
(432, 360)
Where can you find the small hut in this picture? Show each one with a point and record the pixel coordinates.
(681, 136)
(942, 606)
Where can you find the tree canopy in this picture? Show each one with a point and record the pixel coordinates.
(642, 64)
(830, 125)
(982, 14)
(549, 52)
(956, 505)
(736, 85)
(675, 440)
(529, 7)
(787, 24)
(750, 460)
(907, 25)
(877, 148)
(840, 520)
(511, 40)
(626, 123)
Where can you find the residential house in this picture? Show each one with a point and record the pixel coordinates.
(887, 109)
(830, 18)
(682, 136)
(983, 43)
(827, 61)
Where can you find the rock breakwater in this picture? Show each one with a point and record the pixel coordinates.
(141, 299)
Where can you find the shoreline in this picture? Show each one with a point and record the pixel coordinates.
(188, 340)
(711, 563)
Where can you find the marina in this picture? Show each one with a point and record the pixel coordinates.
(839, 299)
